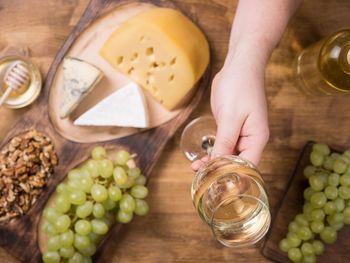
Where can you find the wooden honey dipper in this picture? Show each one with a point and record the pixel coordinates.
(16, 77)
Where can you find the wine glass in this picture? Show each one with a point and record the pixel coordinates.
(227, 191)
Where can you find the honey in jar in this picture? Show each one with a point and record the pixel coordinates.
(25, 94)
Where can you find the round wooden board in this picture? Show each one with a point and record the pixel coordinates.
(86, 47)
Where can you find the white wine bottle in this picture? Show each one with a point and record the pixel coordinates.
(324, 67)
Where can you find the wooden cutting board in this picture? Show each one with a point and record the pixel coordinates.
(19, 236)
(289, 206)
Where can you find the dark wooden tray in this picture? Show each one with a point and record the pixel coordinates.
(289, 206)
(19, 236)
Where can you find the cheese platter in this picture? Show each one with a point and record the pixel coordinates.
(73, 143)
(89, 47)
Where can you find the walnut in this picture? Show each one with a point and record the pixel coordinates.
(4, 218)
(36, 181)
(15, 155)
(30, 135)
(25, 187)
(16, 141)
(8, 171)
(34, 169)
(37, 145)
(23, 177)
(2, 184)
(53, 157)
(25, 164)
(11, 196)
(42, 174)
(30, 149)
(14, 214)
(24, 144)
(12, 148)
(48, 148)
(7, 181)
(44, 160)
(20, 170)
(18, 208)
(33, 158)
(21, 200)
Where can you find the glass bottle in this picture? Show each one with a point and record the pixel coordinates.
(324, 67)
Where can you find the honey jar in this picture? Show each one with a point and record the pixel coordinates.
(25, 94)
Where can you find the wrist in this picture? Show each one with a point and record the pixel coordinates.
(250, 58)
(251, 50)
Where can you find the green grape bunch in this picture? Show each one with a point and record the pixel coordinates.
(327, 205)
(95, 196)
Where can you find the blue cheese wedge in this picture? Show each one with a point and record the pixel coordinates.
(79, 78)
(125, 107)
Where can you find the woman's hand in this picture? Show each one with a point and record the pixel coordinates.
(237, 96)
(239, 106)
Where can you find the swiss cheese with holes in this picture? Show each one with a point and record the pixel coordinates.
(160, 49)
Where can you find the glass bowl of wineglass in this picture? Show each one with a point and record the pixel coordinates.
(227, 191)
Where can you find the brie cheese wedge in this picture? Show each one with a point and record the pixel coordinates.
(126, 107)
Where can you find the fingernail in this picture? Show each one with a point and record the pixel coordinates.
(196, 165)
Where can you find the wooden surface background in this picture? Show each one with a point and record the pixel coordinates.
(173, 232)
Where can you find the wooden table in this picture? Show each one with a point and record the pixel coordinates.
(173, 232)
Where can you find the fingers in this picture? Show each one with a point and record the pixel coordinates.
(227, 135)
(198, 163)
(251, 147)
(252, 154)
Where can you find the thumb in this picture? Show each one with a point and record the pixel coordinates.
(226, 137)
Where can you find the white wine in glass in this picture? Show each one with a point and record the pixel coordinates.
(227, 192)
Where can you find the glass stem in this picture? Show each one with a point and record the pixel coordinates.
(208, 143)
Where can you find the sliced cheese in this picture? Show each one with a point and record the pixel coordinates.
(79, 78)
(125, 107)
(160, 49)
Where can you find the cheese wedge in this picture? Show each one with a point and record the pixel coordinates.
(162, 50)
(79, 78)
(125, 107)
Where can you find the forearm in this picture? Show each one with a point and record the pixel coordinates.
(258, 26)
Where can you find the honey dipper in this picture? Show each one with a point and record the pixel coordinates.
(15, 78)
